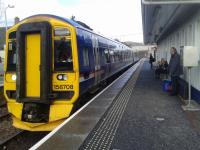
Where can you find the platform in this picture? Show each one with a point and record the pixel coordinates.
(131, 114)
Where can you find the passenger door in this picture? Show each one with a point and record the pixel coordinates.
(32, 65)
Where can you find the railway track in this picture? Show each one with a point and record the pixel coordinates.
(6, 115)
(2, 105)
(3, 111)
(7, 132)
(10, 137)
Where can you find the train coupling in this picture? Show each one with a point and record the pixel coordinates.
(35, 112)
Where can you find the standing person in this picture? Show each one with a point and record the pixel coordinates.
(174, 70)
(151, 60)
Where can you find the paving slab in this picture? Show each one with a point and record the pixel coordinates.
(153, 120)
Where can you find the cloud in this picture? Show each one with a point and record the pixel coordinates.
(114, 18)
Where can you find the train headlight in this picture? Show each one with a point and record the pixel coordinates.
(59, 77)
(62, 77)
(14, 77)
(65, 77)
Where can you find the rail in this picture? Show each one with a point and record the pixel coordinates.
(7, 139)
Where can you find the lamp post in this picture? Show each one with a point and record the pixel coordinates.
(9, 6)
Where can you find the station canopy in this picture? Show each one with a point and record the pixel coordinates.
(161, 18)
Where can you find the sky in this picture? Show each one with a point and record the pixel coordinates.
(119, 19)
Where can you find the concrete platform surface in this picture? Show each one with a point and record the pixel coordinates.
(151, 120)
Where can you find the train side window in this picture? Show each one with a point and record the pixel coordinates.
(63, 55)
(11, 63)
(85, 57)
(107, 55)
(112, 59)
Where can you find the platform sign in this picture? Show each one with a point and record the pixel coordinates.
(190, 56)
(170, 1)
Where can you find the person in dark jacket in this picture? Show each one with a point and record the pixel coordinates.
(151, 60)
(174, 70)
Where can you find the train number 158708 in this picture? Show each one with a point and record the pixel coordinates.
(63, 87)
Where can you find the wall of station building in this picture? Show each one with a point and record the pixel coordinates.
(186, 35)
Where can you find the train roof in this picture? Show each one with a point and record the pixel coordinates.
(71, 22)
(75, 24)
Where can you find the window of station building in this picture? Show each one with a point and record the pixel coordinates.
(172, 40)
(85, 57)
(177, 39)
(182, 37)
(186, 37)
(11, 60)
(190, 35)
(63, 55)
(193, 34)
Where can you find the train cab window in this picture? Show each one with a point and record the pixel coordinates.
(11, 64)
(12, 35)
(63, 55)
(85, 57)
(61, 32)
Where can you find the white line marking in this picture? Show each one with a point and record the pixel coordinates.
(48, 136)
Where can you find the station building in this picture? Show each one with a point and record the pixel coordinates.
(174, 25)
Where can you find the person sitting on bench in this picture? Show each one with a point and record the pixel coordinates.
(162, 68)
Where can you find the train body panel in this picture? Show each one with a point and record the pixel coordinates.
(50, 61)
(95, 71)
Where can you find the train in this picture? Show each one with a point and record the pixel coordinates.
(50, 61)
